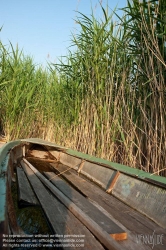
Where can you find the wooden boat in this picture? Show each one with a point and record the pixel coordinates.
(86, 202)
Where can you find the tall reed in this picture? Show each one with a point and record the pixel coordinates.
(146, 26)
(24, 94)
(120, 72)
(105, 98)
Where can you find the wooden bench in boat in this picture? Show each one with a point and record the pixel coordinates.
(134, 222)
(145, 195)
(25, 194)
(88, 208)
(61, 219)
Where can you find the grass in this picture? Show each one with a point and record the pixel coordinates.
(107, 98)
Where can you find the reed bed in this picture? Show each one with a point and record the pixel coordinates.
(105, 98)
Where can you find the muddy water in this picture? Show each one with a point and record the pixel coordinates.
(30, 218)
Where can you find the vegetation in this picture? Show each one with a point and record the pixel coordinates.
(105, 98)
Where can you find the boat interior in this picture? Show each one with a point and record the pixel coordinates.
(79, 196)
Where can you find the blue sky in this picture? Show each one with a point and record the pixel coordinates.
(42, 28)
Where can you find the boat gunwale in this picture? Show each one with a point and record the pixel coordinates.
(133, 172)
(7, 148)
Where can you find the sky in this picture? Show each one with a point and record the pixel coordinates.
(43, 28)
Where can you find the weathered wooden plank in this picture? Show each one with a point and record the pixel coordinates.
(130, 218)
(114, 179)
(42, 160)
(17, 153)
(15, 229)
(101, 175)
(144, 197)
(88, 208)
(41, 165)
(63, 222)
(81, 166)
(25, 192)
(74, 162)
(156, 183)
(100, 234)
(40, 153)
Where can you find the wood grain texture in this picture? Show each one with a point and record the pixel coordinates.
(132, 220)
(88, 208)
(63, 222)
(25, 192)
(97, 231)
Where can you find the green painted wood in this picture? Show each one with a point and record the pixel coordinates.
(122, 168)
(44, 143)
(4, 158)
(5, 149)
(119, 167)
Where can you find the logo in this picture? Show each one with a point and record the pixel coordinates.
(150, 239)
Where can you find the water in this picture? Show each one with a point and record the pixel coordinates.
(31, 219)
